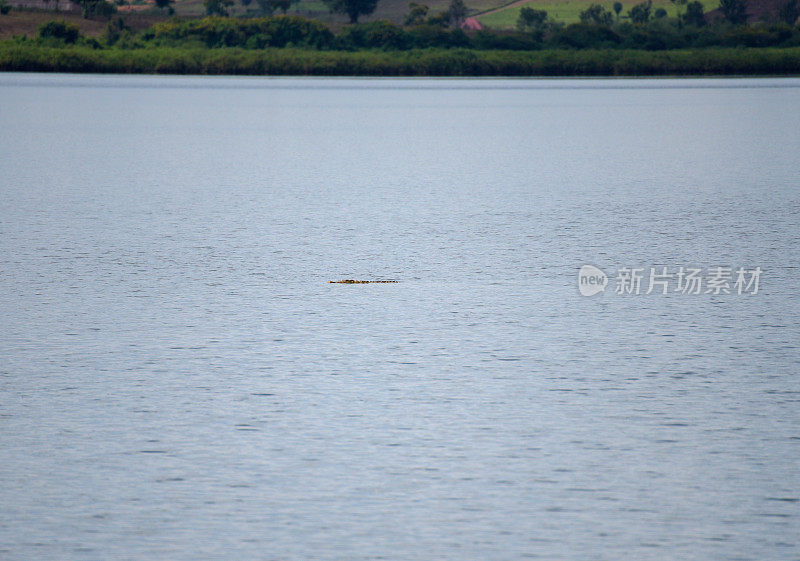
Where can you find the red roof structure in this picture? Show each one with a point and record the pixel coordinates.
(471, 24)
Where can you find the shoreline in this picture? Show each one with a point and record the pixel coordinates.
(714, 61)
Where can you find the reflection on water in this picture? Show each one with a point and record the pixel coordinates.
(179, 380)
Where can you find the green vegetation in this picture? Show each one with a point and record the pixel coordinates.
(217, 7)
(417, 14)
(695, 14)
(416, 62)
(569, 11)
(789, 12)
(534, 22)
(646, 41)
(640, 13)
(536, 32)
(59, 32)
(165, 5)
(597, 15)
(252, 33)
(735, 11)
(456, 13)
(353, 8)
(97, 8)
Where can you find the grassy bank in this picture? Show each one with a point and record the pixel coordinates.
(420, 62)
(568, 11)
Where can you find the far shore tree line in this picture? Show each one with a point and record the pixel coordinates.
(639, 28)
(455, 14)
(688, 13)
(531, 20)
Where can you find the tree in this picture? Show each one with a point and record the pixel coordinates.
(217, 7)
(640, 13)
(457, 12)
(442, 19)
(532, 21)
(597, 15)
(416, 14)
(115, 30)
(245, 3)
(678, 4)
(789, 12)
(694, 14)
(59, 30)
(529, 18)
(93, 8)
(162, 4)
(660, 13)
(617, 9)
(265, 6)
(353, 8)
(269, 6)
(735, 11)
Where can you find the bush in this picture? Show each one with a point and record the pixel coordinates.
(583, 36)
(60, 31)
(285, 30)
(215, 32)
(640, 13)
(217, 7)
(459, 39)
(694, 14)
(789, 12)
(597, 15)
(97, 8)
(735, 11)
(757, 36)
(377, 34)
(509, 42)
(531, 19)
(29, 56)
(116, 30)
(416, 14)
(423, 36)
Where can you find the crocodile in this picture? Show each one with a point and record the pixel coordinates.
(351, 281)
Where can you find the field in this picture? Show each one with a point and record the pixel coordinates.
(27, 22)
(396, 10)
(392, 10)
(569, 11)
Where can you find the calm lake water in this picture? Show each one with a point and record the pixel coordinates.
(178, 379)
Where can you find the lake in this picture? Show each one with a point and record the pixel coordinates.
(179, 379)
